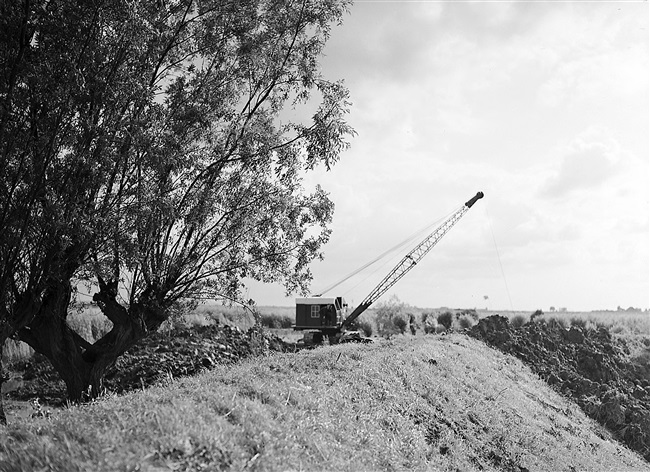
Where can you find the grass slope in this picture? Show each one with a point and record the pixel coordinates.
(423, 403)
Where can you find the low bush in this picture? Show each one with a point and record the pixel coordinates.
(446, 319)
(466, 321)
(429, 323)
(536, 314)
(518, 321)
(366, 327)
(400, 323)
(389, 314)
(362, 325)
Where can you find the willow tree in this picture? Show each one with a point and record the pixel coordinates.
(168, 168)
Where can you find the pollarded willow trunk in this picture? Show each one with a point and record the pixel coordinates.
(82, 365)
(50, 335)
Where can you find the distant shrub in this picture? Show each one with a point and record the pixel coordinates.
(466, 321)
(446, 319)
(361, 324)
(366, 327)
(472, 313)
(388, 313)
(430, 323)
(518, 321)
(400, 323)
(536, 314)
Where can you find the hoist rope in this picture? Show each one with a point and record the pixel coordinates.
(400, 245)
(496, 249)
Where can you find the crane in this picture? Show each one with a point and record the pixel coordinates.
(327, 315)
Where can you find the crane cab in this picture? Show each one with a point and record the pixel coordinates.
(321, 313)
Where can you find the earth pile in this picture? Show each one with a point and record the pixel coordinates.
(164, 354)
(586, 365)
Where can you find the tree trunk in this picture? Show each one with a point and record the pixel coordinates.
(80, 364)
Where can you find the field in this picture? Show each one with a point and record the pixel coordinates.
(408, 403)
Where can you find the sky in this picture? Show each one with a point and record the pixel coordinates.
(542, 105)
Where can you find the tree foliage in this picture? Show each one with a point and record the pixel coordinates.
(391, 317)
(145, 152)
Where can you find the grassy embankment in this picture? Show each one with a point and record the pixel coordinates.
(414, 403)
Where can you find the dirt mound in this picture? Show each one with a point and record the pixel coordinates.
(586, 365)
(176, 353)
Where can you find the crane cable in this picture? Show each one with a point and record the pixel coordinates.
(399, 245)
(496, 249)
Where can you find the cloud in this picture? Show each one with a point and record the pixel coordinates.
(373, 44)
(620, 75)
(588, 163)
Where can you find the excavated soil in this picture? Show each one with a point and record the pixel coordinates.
(162, 355)
(586, 365)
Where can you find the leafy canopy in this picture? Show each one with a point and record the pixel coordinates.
(146, 150)
(143, 143)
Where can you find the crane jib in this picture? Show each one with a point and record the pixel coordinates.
(410, 260)
(473, 200)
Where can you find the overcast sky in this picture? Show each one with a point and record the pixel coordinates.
(541, 105)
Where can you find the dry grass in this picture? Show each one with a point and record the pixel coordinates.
(416, 403)
(15, 351)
